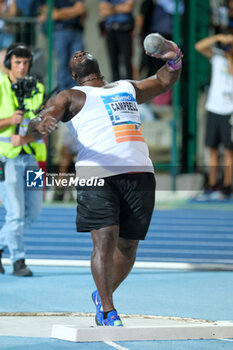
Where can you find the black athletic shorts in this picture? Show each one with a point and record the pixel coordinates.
(126, 200)
(219, 129)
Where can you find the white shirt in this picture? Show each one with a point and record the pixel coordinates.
(220, 96)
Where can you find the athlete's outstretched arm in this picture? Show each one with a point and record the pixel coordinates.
(164, 78)
(61, 107)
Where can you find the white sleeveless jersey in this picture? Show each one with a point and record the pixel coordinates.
(108, 132)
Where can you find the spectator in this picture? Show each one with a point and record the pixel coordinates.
(8, 9)
(27, 8)
(18, 150)
(219, 127)
(68, 17)
(230, 13)
(230, 16)
(119, 24)
(155, 16)
(220, 16)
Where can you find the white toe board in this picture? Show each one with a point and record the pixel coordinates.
(215, 330)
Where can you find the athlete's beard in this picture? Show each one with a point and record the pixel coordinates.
(87, 67)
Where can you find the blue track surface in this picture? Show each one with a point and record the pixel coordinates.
(21, 343)
(195, 294)
(175, 235)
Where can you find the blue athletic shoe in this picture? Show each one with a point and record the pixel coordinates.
(99, 312)
(113, 320)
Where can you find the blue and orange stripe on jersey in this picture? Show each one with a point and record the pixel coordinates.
(128, 132)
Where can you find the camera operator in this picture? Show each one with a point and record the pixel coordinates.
(19, 97)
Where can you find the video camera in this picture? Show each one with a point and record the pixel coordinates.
(24, 88)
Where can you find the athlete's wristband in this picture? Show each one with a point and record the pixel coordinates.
(175, 63)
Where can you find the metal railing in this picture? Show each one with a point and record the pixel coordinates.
(23, 29)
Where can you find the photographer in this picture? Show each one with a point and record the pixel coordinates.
(19, 97)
